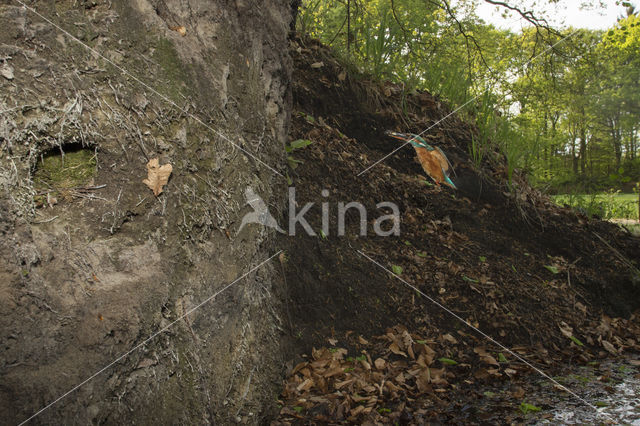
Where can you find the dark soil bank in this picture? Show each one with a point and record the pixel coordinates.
(540, 279)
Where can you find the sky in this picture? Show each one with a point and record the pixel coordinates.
(563, 14)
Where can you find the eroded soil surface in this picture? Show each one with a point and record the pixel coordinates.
(556, 289)
(92, 266)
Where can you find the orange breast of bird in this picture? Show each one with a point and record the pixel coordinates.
(431, 163)
(444, 163)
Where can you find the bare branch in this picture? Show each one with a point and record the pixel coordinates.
(527, 15)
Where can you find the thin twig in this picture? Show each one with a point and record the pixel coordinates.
(46, 221)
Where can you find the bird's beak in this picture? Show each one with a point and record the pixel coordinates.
(402, 136)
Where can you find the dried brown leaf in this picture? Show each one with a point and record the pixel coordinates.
(380, 363)
(449, 338)
(566, 329)
(157, 175)
(305, 386)
(396, 350)
(518, 393)
(609, 347)
(180, 29)
(339, 385)
(423, 380)
(510, 372)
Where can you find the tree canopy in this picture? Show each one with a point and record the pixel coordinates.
(563, 105)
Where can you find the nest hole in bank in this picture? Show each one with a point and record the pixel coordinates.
(59, 171)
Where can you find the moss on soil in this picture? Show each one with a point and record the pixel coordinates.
(175, 76)
(59, 172)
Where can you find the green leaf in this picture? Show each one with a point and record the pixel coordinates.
(471, 280)
(483, 259)
(501, 357)
(396, 269)
(298, 409)
(422, 254)
(601, 404)
(299, 143)
(552, 269)
(448, 361)
(489, 394)
(421, 342)
(576, 341)
(529, 408)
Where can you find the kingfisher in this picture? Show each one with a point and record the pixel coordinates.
(432, 159)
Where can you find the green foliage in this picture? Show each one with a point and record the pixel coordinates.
(396, 269)
(529, 408)
(569, 116)
(408, 41)
(297, 144)
(576, 341)
(606, 205)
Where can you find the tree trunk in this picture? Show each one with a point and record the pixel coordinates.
(583, 151)
(615, 140)
(574, 157)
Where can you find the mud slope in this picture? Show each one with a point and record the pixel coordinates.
(90, 271)
(524, 271)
